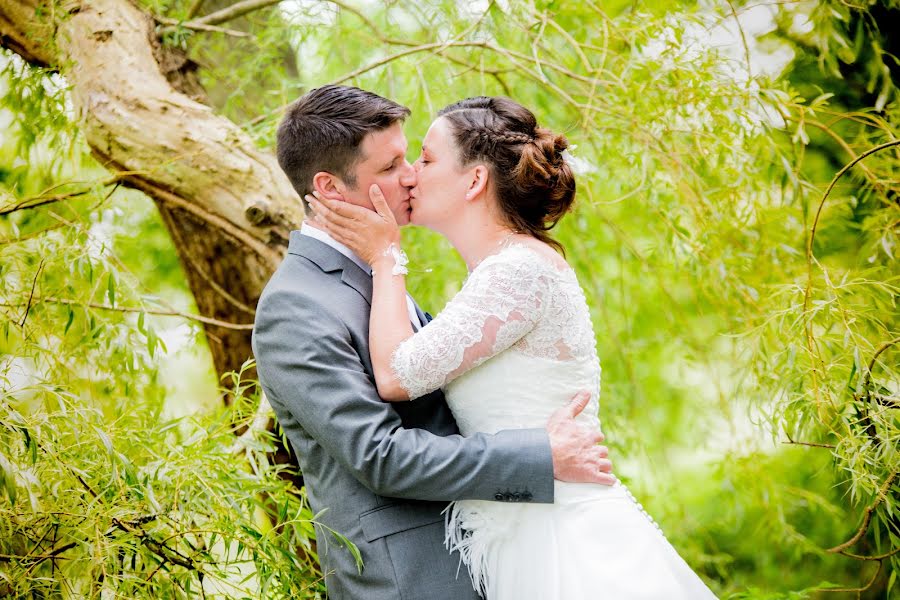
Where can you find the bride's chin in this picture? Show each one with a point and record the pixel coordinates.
(419, 219)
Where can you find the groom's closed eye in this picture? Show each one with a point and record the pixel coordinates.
(392, 165)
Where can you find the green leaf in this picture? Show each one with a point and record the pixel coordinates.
(104, 439)
(8, 479)
(111, 289)
(71, 317)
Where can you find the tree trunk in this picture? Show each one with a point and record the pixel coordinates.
(227, 205)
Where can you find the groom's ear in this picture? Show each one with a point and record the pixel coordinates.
(329, 186)
(478, 182)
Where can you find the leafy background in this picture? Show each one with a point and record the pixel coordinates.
(745, 307)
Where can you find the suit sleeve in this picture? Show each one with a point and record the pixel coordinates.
(309, 366)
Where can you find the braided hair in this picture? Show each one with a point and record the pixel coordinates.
(534, 185)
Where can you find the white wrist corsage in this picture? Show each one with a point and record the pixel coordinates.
(400, 259)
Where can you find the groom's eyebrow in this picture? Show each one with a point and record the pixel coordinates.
(398, 156)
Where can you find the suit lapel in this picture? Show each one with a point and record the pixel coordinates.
(331, 261)
(358, 279)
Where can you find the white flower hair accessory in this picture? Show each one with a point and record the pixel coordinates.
(579, 166)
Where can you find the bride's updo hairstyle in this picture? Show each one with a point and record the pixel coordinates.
(534, 185)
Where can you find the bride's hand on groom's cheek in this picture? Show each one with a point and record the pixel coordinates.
(368, 233)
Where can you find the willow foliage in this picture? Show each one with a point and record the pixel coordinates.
(743, 293)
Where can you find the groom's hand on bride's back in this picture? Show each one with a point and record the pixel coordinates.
(577, 453)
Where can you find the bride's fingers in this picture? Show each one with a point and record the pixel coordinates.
(333, 213)
(607, 479)
(380, 204)
(325, 220)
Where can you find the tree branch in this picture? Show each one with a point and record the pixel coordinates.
(864, 557)
(32, 235)
(25, 33)
(875, 356)
(234, 11)
(847, 167)
(859, 589)
(149, 311)
(174, 24)
(807, 293)
(31, 295)
(867, 518)
(41, 200)
(812, 444)
(271, 256)
(195, 7)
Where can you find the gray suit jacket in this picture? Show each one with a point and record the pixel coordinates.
(384, 471)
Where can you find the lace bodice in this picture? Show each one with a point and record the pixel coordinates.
(516, 343)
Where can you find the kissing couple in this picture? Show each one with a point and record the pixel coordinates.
(461, 455)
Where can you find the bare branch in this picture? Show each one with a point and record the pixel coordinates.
(195, 7)
(859, 589)
(149, 311)
(875, 356)
(37, 201)
(847, 167)
(399, 55)
(62, 222)
(30, 236)
(864, 557)
(37, 274)
(740, 28)
(812, 444)
(174, 24)
(370, 24)
(45, 197)
(234, 11)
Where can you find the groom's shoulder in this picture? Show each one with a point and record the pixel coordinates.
(304, 288)
(297, 281)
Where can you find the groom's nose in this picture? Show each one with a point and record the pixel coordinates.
(408, 176)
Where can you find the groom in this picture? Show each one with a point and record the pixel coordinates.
(382, 472)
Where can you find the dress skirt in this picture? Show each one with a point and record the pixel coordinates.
(594, 542)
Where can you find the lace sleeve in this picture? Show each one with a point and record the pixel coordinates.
(500, 302)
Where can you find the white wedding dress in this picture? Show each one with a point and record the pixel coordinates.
(514, 345)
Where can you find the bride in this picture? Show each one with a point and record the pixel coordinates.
(512, 346)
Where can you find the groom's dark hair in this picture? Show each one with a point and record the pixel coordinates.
(322, 131)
